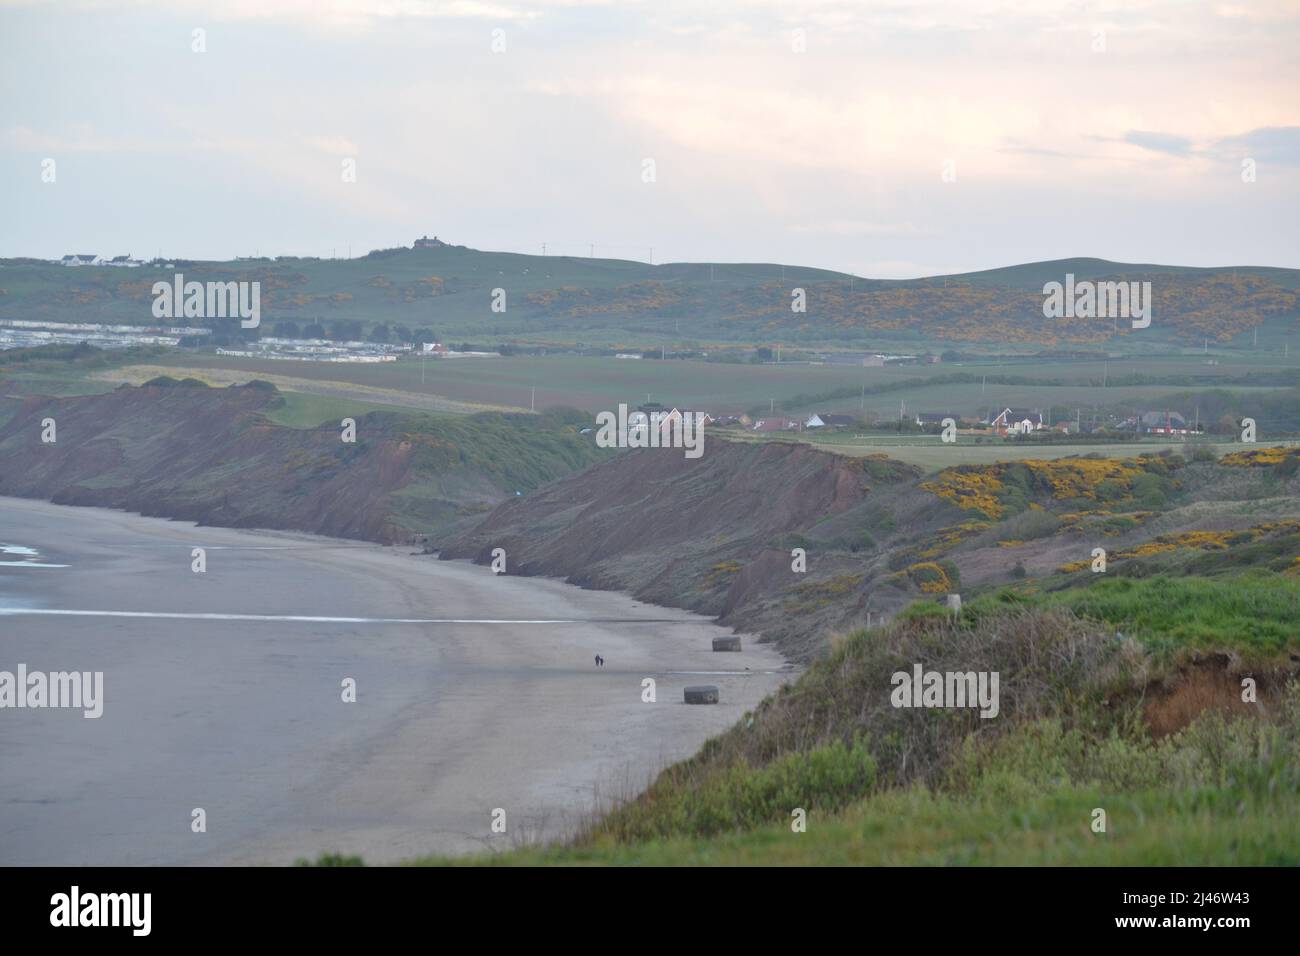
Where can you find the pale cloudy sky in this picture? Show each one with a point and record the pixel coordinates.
(800, 131)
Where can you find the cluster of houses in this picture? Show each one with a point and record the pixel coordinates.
(1006, 422)
(1158, 423)
(876, 359)
(91, 259)
(1011, 422)
(778, 423)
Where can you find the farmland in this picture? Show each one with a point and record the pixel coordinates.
(596, 383)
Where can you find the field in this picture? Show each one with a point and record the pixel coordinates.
(593, 384)
(928, 453)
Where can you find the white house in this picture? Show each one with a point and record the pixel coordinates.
(85, 259)
(826, 420)
(1016, 421)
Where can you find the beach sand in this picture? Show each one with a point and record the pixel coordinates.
(245, 718)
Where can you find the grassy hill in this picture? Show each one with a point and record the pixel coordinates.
(1155, 735)
(180, 449)
(565, 299)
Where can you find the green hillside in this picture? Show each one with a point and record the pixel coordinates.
(1156, 736)
(394, 294)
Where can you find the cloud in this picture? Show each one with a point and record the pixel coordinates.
(1271, 144)
(1159, 142)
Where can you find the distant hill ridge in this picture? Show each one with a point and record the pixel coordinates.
(569, 299)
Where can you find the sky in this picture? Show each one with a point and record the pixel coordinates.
(889, 140)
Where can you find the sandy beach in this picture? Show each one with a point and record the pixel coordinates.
(473, 692)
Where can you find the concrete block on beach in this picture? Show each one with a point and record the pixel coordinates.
(731, 643)
(702, 694)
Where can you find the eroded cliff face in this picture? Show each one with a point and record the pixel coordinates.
(211, 456)
(713, 534)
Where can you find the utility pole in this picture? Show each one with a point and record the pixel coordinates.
(771, 408)
(983, 379)
(422, 363)
(543, 249)
(532, 401)
(1105, 370)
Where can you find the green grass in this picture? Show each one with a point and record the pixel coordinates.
(1254, 613)
(300, 410)
(1220, 792)
(920, 828)
(887, 786)
(594, 383)
(929, 453)
(582, 298)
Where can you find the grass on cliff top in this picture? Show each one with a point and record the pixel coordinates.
(883, 785)
(301, 410)
(1223, 791)
(1256, 614)
(920, 828)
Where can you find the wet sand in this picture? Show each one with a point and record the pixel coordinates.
(244, 718)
